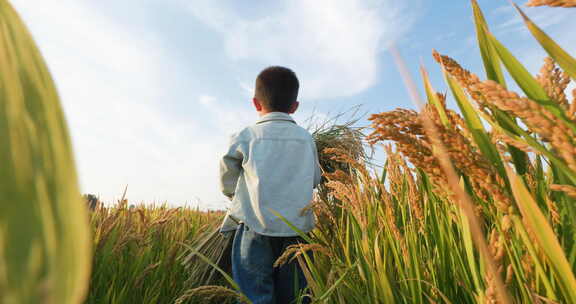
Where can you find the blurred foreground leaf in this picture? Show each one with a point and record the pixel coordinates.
(44, 235)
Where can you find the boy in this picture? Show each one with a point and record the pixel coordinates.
(270, 166)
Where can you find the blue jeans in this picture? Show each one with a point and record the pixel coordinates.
(253, 257)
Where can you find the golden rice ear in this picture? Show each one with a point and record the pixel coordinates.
(555, 3)
(44, 236)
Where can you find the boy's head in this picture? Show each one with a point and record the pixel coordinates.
(276, 90)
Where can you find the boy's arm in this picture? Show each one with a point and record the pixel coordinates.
(317, 170)
(230, 169)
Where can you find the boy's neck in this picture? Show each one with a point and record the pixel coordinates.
(265, 112)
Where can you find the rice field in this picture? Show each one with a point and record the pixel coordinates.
(475, 204)
(139, 252)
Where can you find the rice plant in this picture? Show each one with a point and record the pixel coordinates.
(140, 251)
(406, 237)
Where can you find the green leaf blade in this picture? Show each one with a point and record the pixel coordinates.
(489, 57)
(544, 234)
(566, 62)
(44, 234)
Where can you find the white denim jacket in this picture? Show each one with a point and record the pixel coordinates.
(272, 165)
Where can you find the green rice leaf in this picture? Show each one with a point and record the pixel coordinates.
(474, 124)
(536, 222)
(335, 285)
(523, 78)
(45, 247)
(228, 278)
(526, 138)
(567, 62)
(298, 231)
(433, 98)
(533, 253)
(492, 65)
(519, 157)
(528, 84)
(489, 57)
(469, 247)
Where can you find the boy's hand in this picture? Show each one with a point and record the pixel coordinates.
(231, 168)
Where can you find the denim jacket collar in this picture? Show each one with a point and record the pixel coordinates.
(275, 116)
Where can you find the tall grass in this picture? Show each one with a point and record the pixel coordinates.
(44, 235)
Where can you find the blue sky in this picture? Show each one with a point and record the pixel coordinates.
(153, 88)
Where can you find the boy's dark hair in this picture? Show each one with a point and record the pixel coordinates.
(277, 88)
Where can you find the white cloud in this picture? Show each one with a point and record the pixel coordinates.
(228, 118)
(112, 84)
(332, 44)
(114, 79)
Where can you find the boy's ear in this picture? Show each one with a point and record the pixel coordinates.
(294, 107)
(257, 104)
